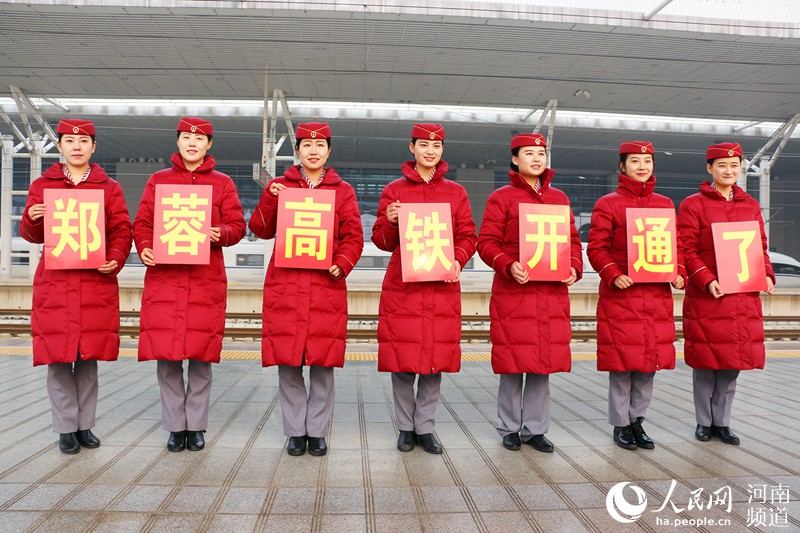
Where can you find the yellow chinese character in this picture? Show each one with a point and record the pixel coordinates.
(86, 228)
(546, 232)
(427, 243)
(307, 237)
(182, 223)
(747, 239)
(655, 246)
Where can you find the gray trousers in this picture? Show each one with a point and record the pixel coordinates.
(713, 396)
(184, 407)
(416, 413)
(306, 413)
(629, 395)
(72, 388)
(528, 412)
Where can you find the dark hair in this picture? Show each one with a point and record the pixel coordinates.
(710, 162)
(60, 135)
(415, 139)
(515, 152)
(179, 134)
(297, 143)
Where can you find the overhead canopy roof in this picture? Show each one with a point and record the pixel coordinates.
(692, 59)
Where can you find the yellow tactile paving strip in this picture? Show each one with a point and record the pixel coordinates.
(477, 356)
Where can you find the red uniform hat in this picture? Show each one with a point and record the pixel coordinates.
(636, 147)
(528, 139)
(723, 150)
(313, 130)
(196, 125)
(433, 132)
(76, 126)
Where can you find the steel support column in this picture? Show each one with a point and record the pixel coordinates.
(6, 203)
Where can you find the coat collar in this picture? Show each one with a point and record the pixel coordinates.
(411, 174)
(207, 166)
(331, 176)
(545, 179)
(630, 187)
(708, 191)
(96, 174)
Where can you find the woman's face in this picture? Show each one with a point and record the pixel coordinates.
(427, 153)
(193, 147)
(638, 167)
(313, 153)
(77, 149)
(531, 160)
(725, 171)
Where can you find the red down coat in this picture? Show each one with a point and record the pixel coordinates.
(304, 313)
(530, 329)
(635, 326)
(419, 327)
(77, 309)
(183, 306)
(725, 333)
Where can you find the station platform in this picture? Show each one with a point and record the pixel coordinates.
(244, 481)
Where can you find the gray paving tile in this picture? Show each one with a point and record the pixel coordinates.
(19, 520)
(92, 497)
(61, 521)
(143, 498)
(561, 521)
(393, 500)
(350, 523)
(179, 522)
(492, 499)
(113, 522)
(444, 500)
(289, 523)
(343, 501)
(392, 523)
(241, 500)
(233, 523)
(42, 497)
(192, 500)
(461, 522)
(506, 521)
(294, 501)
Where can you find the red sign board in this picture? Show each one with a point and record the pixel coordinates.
(304, 237)
(181, 224)
(740, 257)
(652, 245)
(544, 235)
(426, 242)
(74, 229)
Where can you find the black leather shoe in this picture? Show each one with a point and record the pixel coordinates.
(512, 442)
(640, 437)
(195, 441)
(702, 433)
(405, 442)
(541, 443)
(296, 446)
(725, 434)
(68, 443)
(429, 443)
(87, 439)
(317, 446)
(176, 441)
(623, 436)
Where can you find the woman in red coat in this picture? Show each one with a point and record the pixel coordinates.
(724, 332)
(183, 305)
(419, 331)
(635, 322)
(530, 329)
(305, 310)
(75, 313)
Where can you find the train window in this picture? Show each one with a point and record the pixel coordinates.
(250, 260)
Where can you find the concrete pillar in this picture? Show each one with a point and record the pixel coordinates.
(6, 204)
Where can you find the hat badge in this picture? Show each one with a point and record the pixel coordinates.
(75, 129)
(193, 128)
(313, 134)
(644, 149)
(433, 135)
(538, 142)
(730, 153)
